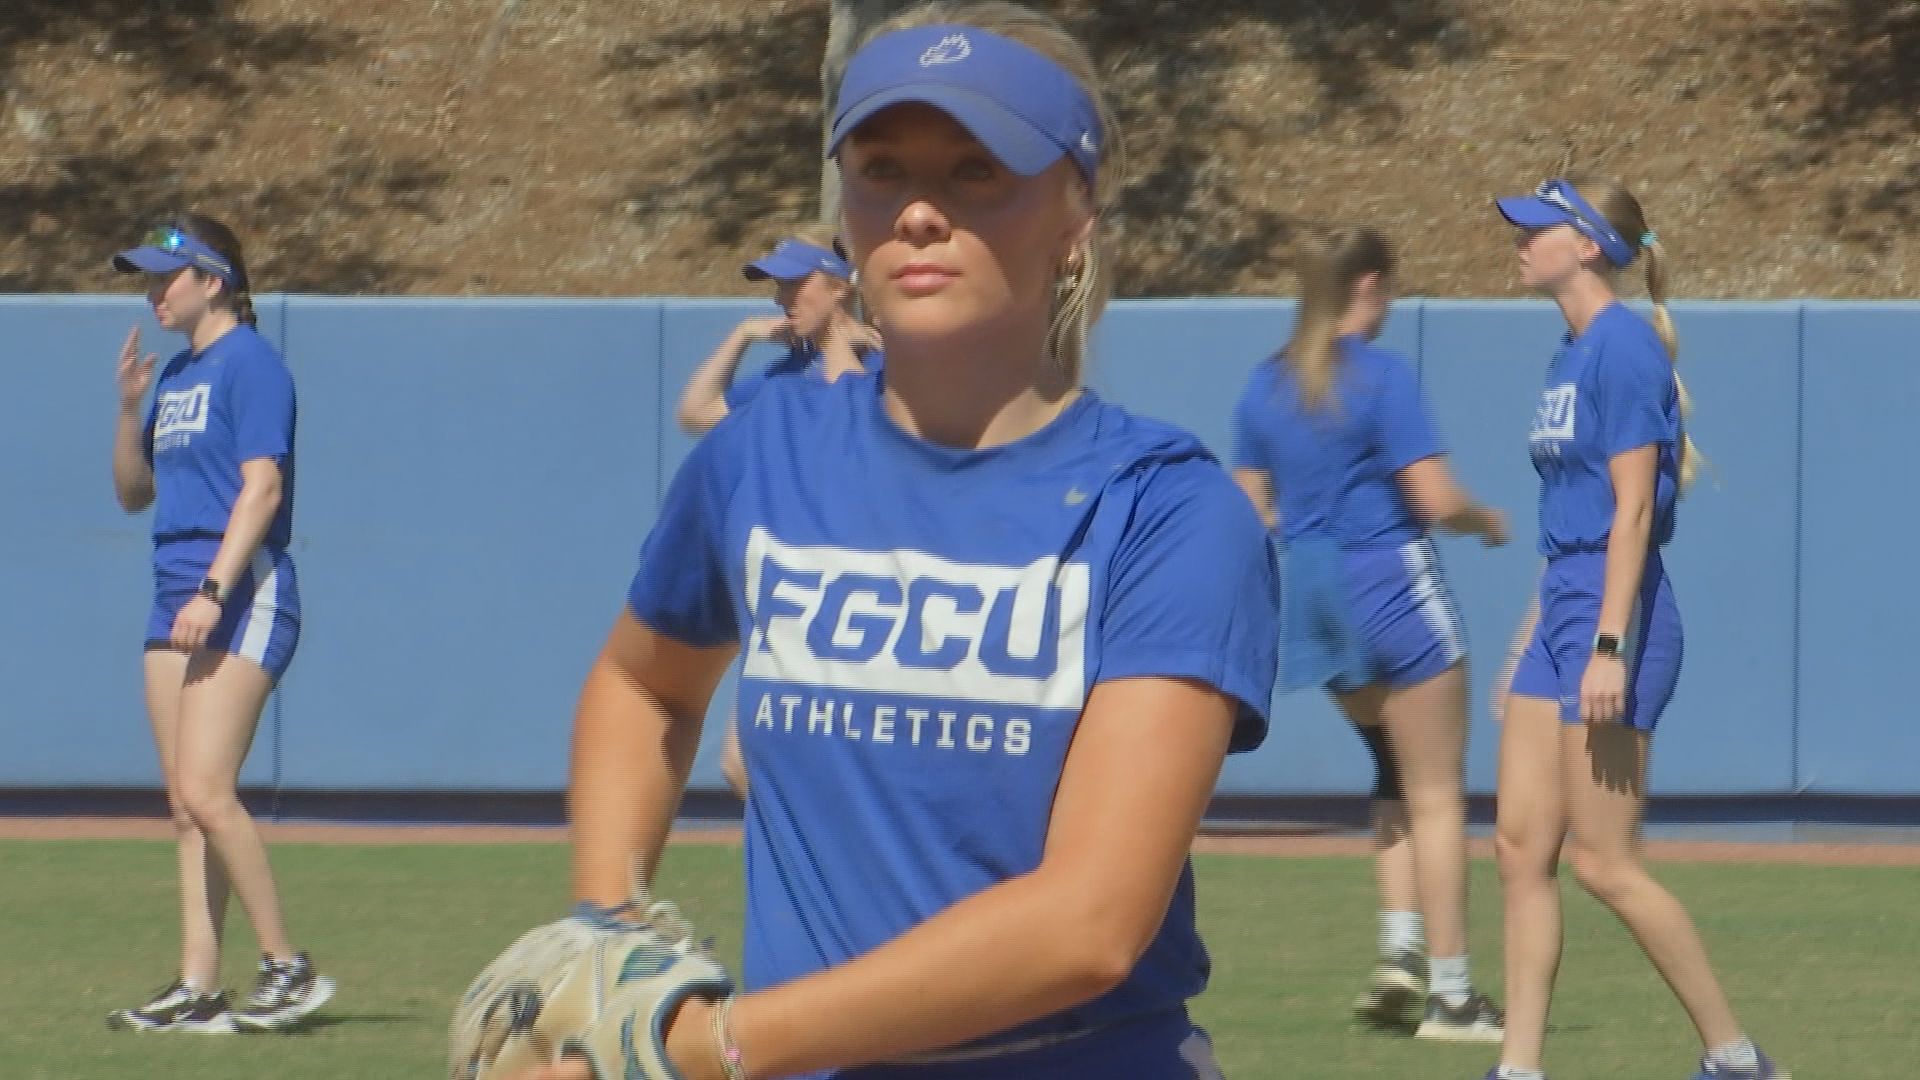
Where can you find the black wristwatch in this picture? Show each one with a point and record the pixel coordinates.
(213, 590)
(1606, 645)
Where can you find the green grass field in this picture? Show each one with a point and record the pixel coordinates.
(1820, 962)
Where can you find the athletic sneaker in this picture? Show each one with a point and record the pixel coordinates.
(1393, 994)
(1765, 1069)
(284, 994)
(176, 1008)
(1476, 1019)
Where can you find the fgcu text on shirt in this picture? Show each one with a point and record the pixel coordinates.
(1334, 467)
(921, 628)
(230, 404)
(800, 360)
(1609, 390)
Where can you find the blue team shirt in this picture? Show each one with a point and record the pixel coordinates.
(1334, 468)
(1609, 390)
(920, 628)
(211, 411)
(800, 360)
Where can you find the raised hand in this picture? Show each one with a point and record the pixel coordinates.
(135, 372)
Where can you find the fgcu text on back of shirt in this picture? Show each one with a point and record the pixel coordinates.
(1609, 390)
(1334, 467)
(232, 403)
(921, 628)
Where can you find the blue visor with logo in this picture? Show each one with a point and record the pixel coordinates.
(1557, 203)
(792, 260)
(1024, 108)
(167, 249)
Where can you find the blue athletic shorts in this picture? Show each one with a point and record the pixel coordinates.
(1404, 612)
(261, 618)
(1350, 617)
(1556, 657)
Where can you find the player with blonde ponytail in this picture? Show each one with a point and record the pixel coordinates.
(1335, 446)
(817, 324)
(1601, 657)
(1654, 258)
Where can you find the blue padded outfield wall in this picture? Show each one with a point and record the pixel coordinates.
(476, 476)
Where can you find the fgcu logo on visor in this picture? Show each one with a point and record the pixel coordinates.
(948, 50)
(1025, 109)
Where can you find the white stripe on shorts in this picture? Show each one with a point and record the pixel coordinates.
(1435, 599)
(257, 628)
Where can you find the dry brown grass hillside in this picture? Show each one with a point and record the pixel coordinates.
(619, 147)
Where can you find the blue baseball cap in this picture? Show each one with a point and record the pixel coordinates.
(1557, 203)
(1024, 108)
(791, 260)
(167, 249)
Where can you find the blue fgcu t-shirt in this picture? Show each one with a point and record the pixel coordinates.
(230, 404)
(1334, 467)
(921, 627)
(1609, 390)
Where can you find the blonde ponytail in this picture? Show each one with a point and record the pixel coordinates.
(1651, 253)
(1329, 265)
(1312, 352)
(1625, 214)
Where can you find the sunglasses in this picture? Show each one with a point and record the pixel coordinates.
(1553, 193)
(170, 239)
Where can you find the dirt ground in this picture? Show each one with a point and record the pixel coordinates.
(1276, 843)
(640, 147)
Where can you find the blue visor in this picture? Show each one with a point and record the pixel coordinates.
(1024, 108)
(792, 260)
(168, 249)
(1557, 203)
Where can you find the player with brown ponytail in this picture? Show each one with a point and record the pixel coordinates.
(213, 456)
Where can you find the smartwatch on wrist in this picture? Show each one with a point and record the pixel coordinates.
(1607, 645)
(213, 590)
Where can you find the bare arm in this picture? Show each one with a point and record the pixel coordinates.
(1633, 480)
(1603, 686)
(703, 404)
(1259, 488)
(253, 509)
(132, 474)
(1136, 781)
(634, 736)
(1440, 503)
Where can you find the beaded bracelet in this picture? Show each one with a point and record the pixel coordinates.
(730, 1057)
